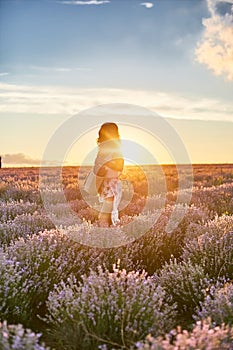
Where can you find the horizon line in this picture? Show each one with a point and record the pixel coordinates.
(127, 165)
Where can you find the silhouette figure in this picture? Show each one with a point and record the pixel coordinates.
(109, 165)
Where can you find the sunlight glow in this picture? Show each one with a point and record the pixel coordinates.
(138, 147)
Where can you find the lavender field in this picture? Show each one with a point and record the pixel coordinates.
(162, 290)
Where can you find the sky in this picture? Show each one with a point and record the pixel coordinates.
(61, 57)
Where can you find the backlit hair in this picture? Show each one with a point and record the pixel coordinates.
(108, 131)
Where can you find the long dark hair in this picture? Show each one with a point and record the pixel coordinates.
(107, 132)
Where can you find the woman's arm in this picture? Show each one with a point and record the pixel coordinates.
(116, 164)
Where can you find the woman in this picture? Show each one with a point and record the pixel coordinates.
(109, 164)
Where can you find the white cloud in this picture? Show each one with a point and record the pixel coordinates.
(88, 2)
(215, 49)
(59, 69)
(52, 100)
(83, 69)
(54, 69)
(148, 5)
(4, 74)
(19, 159)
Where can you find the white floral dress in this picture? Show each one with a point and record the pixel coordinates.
(111, 187)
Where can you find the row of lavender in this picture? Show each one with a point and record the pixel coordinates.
(88, 298)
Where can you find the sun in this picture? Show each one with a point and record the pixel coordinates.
(141, 147)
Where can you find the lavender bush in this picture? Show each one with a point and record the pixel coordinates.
(29, 268)
(16, 337)
(156, 247)
(23, 225)
(115, 308)
(184, 285)
(218, 305)
(90, 304)
(212, 248)
(218, 199)
(11, 209)
(204, 336)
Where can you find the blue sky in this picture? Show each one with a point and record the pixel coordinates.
(60, 57)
